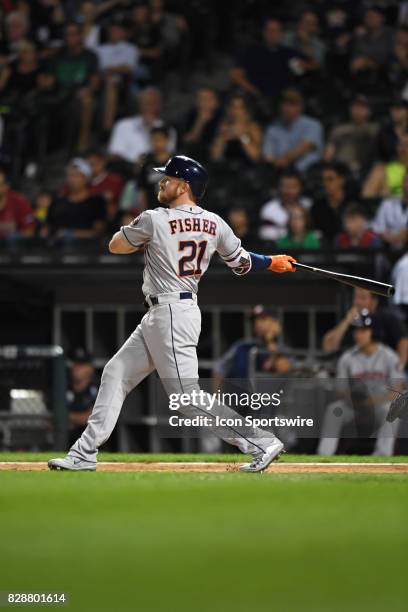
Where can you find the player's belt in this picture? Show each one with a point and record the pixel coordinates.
(152, 300)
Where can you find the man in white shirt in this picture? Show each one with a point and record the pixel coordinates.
(118, 60)
(131, 137)
(274, 214)
(391, 220)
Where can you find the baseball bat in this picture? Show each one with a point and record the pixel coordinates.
(354, 281)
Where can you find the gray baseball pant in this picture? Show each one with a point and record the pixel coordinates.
(165, 340)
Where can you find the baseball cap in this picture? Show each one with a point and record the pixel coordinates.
(81, 165)
(261, 311)
(80, 355)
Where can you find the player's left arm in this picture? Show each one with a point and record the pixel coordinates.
(236, 257)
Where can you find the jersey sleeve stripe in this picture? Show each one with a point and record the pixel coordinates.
(232, 258)
(231, 255)
(122, 229)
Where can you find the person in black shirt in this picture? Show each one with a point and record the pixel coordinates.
(393, 129)
(264, 70)
(201, 123)
(77, 213)
(327, 211)
(21, 88)
(146, 35)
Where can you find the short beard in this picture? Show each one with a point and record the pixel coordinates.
(162, 198)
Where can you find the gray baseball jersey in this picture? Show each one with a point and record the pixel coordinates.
(378, 369)
(179, 243)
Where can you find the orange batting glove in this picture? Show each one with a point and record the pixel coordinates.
(282, 263)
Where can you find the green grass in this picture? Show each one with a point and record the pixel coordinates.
(155, 542)
(18, 456)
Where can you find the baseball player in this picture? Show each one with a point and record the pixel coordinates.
(365, 375)
(178, 241)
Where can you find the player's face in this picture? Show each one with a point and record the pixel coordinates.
(266, 326)
(362, 337)
(170, 189)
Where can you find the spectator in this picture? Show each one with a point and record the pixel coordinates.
(147, 179)
(328, 209)
(394, 128)
(118, 60)
(235, 362)
(356, 232)
(365, 374)
(305, 40)
(299, 235)
(16, 213)
(239, 219)
(131, 137)
(75, 72)
(81, 393)
(372, 48)
(42, 203)
(354, 143)
(173, 30)
(387, 179)
(202, 123)
(146, 36)
(17, 30)
(22, 87)
(294, 139)
(20, 78)
(238, 136)
(264, 70)
(391, 220)
(274, 215)
(391, 329)
(104, 182)
(88, 13)
(78, 213)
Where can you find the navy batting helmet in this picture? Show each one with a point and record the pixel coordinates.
(189, 170)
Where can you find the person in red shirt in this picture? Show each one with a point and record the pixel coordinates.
(104, 182)
(16, 214)
(356, 232)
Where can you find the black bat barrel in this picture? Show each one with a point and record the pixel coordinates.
(354, 281)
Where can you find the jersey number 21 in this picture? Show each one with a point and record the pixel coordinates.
(194, 255)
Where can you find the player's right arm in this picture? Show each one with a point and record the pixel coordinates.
(133, 237)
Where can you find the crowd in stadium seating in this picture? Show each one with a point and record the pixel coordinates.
(305, 134)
